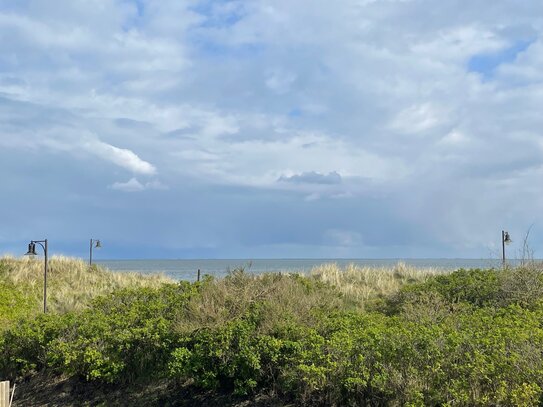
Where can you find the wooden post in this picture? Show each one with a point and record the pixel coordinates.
(198, 275)
(4, 394)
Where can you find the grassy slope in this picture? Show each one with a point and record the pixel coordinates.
(71, 284)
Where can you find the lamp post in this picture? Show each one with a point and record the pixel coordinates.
(32, 252)
(94, 243)
(506, 239)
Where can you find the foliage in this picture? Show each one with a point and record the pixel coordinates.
(13, 304)
(522, 285)
(472, 337)
(25, 345)
(477, 287)
(123, 336)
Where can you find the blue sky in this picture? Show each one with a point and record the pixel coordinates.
(217, 129)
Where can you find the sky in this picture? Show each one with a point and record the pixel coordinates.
(271, 129)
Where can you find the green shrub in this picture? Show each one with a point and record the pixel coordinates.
(482, 356)
(25, 346)
(476, 287)
(461, 339)
(14, 304)
(522, 285)
(495, 356)
(125, 336)
(236, 355)
(227, 357)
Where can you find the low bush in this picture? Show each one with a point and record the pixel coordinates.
(14, 304)
(522, 285)
(280, 298)
(25, 346)
(124, 336)
(230, 357)
(468, 338)
(476, 287)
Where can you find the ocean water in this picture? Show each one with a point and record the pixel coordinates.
(187, 269)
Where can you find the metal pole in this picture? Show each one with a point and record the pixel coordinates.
(32, 252)
(503, 248)
(90, 253)
(45, 280)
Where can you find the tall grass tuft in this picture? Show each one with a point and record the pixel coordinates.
(362, 283)
(71, 283)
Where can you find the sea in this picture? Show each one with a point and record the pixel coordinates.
(188, 269)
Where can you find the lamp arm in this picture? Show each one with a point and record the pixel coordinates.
(40, 243)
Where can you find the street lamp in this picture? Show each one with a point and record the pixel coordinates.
(506, 239)
(32, 252)
(94, 243)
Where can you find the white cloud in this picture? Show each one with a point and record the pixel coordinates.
(280, 82)
(122, 157)
(155, 184)
(133, 185)
(461, 42)
(418, 119)
(455, 138)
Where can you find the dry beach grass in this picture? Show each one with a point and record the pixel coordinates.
(363, 283)
(71, 283)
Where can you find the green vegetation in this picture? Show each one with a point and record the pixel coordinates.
(333, 337)
(71, 284)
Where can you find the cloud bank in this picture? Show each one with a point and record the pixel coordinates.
(257, 128)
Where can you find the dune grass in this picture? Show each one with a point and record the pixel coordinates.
(362, 283)
(71, 283)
